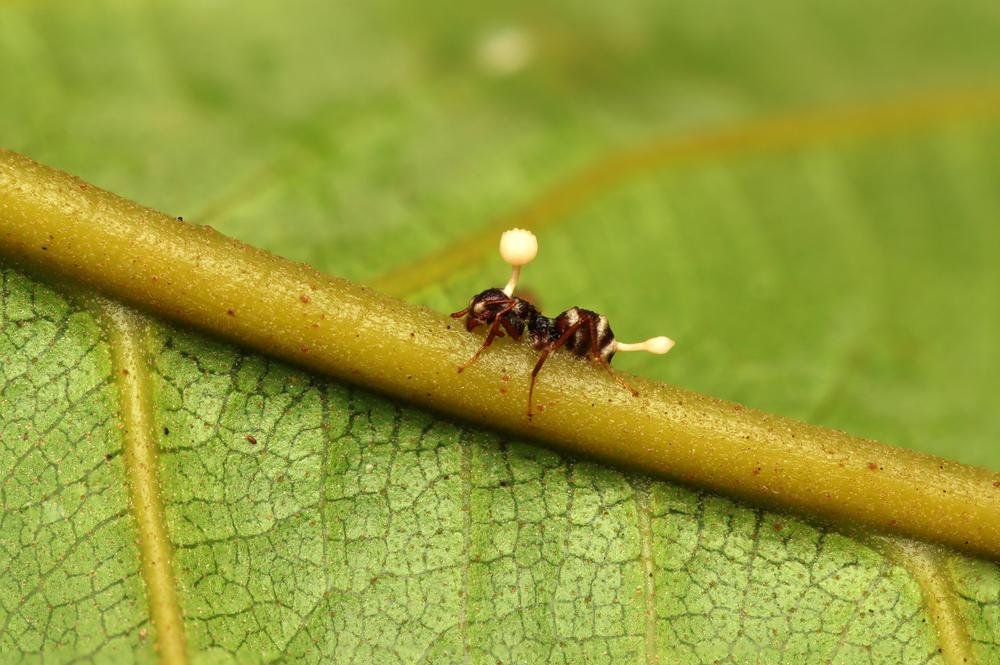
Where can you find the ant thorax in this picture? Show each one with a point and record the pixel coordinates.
(542, 330)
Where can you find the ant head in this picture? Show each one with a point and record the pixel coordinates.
(484, 307)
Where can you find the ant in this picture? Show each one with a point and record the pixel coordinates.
(583, 333)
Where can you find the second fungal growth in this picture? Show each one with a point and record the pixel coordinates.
(583, 333)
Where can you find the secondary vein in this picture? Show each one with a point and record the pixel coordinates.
(644, 513)
(554, 204)
(140, 456)
(926, 564)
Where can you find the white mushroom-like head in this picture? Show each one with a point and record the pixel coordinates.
(518, 247)
(658, 345)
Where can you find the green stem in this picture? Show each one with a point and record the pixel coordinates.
(61, 226)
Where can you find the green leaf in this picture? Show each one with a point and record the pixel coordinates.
(846, 280)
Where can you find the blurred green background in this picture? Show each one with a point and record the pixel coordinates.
(847, 278)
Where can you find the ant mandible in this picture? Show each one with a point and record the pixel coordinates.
(583, 333)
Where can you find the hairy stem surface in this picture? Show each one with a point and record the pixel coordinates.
(60, 226)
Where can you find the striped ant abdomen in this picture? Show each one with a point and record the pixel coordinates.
(591, 337)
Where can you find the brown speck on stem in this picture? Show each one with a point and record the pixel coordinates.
(231, 312)
(872, 466)
(251, 439)
(304, 298)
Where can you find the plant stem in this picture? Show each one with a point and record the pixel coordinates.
(60, 226)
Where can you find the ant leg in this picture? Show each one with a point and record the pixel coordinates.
(545, 354)
(621, 382)
(494, 332)
(494, 329)
(595, 356)
(595, 349)
(534, 375)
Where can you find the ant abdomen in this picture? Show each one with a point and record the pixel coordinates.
(591, 337)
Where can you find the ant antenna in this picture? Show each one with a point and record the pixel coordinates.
(517, 247)
(657, 345)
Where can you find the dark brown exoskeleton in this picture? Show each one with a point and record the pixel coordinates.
(583, 333)
(504, 313)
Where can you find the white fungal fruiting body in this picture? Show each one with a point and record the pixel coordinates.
(518, 247)
(658, 345)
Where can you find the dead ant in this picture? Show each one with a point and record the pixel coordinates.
(583, 333)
